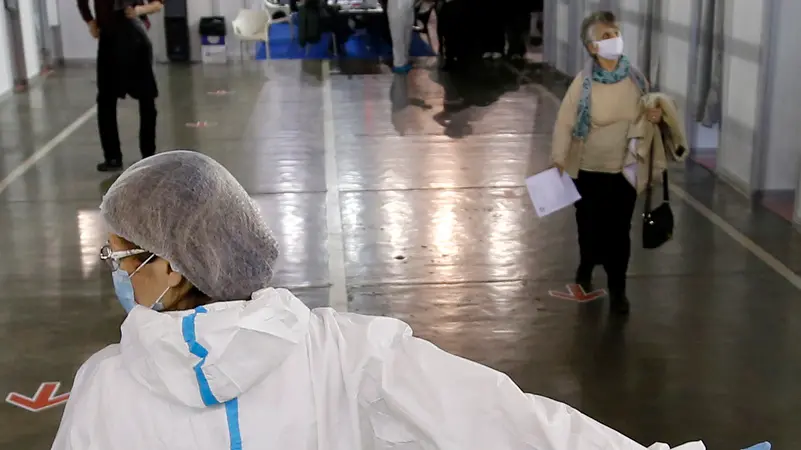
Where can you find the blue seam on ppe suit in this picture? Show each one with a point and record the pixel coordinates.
(231, 406)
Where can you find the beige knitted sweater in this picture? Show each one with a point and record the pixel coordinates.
(614, 107)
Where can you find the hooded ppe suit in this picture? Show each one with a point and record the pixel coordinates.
(401, 26)
(271, 374)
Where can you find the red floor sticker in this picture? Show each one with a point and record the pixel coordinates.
(576, 293)
(200, 124)
(44, 398)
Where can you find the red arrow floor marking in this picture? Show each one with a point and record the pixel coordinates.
(576, 293)
(200, 124)
(44, 398)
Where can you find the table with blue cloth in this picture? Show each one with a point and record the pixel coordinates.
(338, 15)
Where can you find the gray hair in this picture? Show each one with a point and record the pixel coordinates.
(588, 25)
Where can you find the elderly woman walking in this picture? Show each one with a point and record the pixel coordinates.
(590, 142)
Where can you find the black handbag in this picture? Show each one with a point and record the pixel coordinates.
(657, 223)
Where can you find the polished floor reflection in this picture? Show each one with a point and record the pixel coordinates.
(437, 229)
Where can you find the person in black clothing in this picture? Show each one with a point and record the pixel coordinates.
(124, 67)
(460, 43)
(538, 7)
(493, 44)
(316, 17)
(518, 21)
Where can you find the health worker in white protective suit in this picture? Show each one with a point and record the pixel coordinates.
(212, 358)
(401, 26)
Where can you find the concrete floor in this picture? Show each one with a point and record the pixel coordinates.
(436, 230)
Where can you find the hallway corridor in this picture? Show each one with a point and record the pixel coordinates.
(385, 202)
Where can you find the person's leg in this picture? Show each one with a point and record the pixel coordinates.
(147, 126)
(443, 10)
(109, 132)
(342, 31)
(401, 24)
(589, 216)
(516, 30)
(622, 198)
(494, 42)
(107, 106)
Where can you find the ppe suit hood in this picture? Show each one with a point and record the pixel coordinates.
(215, 353)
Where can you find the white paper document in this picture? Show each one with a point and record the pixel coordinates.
(551, 191)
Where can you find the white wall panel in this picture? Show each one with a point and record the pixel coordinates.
(740, 94)
(673, 67)
(782, 150)
(632, 35)
(563, 35)
(678, 11)
(76, 42)
(746, 20)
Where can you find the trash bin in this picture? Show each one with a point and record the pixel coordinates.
(212, 40)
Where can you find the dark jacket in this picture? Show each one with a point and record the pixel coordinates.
(125, 59)
(104, 11)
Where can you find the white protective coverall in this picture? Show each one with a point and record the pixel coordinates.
(401, 26)
(272, 374)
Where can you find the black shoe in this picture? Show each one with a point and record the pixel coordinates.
(619, 304)
(114, 165)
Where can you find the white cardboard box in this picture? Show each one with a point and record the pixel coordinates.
(213, 50)
(213, 54)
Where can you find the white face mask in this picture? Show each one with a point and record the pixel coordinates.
(610, 48)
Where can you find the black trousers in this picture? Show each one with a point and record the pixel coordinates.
(518, 22)
(457, 22)
(338, 24)
(494, 40)
(603, 216)
(109, 131)
(124, 68)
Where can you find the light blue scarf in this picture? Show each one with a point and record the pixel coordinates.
(623, 70)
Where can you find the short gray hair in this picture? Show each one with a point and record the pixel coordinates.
(588, 25)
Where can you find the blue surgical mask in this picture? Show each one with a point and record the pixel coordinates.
(124, 289)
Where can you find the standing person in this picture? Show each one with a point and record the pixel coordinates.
(401, 26)
(316, 17)
(518, 21)
(457, 22)
(124, 67)
(493, 43)
(590, 142)
(536, 22)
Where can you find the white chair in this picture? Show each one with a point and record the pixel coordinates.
(273, 8)
(284, 13)
(252, 25)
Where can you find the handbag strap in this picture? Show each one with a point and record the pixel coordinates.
(649, 188)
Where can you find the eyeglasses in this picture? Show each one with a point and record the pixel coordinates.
(113, 258)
